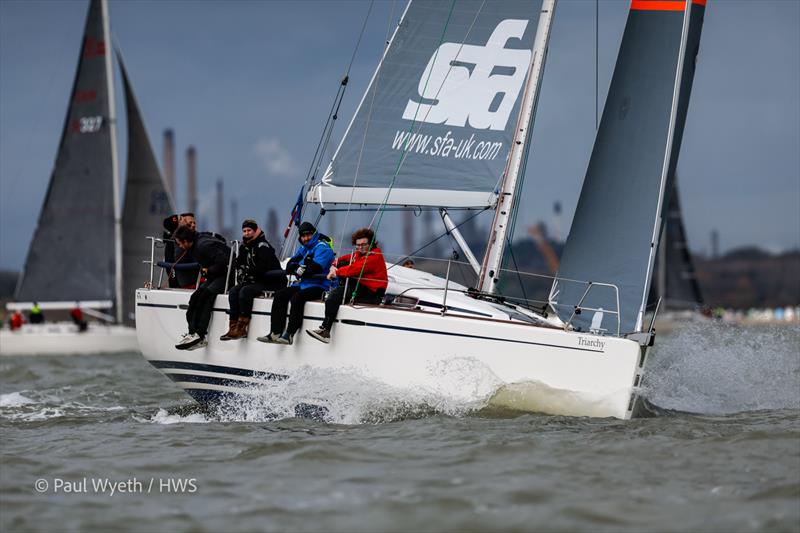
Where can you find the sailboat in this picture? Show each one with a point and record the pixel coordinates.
(675, 278)
(446, 124)
(76, 256)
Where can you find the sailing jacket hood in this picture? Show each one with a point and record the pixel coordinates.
(317, 257)
(369, 269)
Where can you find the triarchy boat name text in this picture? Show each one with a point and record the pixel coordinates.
(594, 343)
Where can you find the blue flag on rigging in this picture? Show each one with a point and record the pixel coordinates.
(296, 211)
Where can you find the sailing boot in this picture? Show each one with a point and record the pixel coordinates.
(233, 327)
(241, 328)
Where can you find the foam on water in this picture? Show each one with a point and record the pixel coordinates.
(537, 397)
(721, 369)
(14, 399)
(346, 396)
(46, 405)
(165, 418)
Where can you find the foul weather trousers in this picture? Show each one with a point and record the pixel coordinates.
(201, 305)
(241, 296)
(297, 298)
(335, 298)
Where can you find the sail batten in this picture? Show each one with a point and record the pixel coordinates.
(71, 256)
(614, 234)
(440, 111)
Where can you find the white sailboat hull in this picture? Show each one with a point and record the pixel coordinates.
(533, 368)
(63, 338)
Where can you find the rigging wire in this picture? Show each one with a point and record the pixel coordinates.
(327, 130)
(596, 64)
(366, 128)
(415, 252)
(516, 268)
(381, 210)
(420, 125)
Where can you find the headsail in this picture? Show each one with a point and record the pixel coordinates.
(617, 222)
(71, 256)
(674, 278)
(147, 202)
(440, 111)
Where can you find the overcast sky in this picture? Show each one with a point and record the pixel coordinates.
(250, 84)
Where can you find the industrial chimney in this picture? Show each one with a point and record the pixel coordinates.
(169, 163)
(191, 179)
(220, 206)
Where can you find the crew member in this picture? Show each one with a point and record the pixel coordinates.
(309, 265)
(362, 279)
(212, 253)
(36, 316)
(259, 271)
(180, 274)
(16, 320)
(77, 317)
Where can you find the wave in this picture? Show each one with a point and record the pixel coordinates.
(722, 369)
(39, 406)
(14, 399)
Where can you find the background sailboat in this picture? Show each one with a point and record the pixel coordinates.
(147, 203)
(674, 277)
(76, 255)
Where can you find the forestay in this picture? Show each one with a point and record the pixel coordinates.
(614, 234)
(71, 256)
(146, 202)
(435, 125)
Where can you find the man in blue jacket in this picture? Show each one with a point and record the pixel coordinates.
(309, 265)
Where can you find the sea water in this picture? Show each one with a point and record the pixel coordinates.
(108, 443)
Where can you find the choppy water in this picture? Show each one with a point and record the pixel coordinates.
(724, 457)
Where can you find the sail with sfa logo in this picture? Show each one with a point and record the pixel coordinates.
(435, 126)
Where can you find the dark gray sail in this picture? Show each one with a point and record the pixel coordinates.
(617, 222)
(146, 205)
(71, 256)
(445, 101)
(674, 278)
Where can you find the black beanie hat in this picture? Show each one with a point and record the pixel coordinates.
(250, 223)
(171, 223)
(306, 227)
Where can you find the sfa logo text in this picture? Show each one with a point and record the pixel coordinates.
(470, 83)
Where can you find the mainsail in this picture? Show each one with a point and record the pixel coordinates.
(674, 278)
(614, 234)
(436, 125)
(71, 256)
(147, 202)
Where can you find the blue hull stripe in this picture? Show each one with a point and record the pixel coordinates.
(234, 371)
(467, 336)
(165, 306)
(211, 380)
(420, 330)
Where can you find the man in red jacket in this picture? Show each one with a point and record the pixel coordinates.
(361, 274)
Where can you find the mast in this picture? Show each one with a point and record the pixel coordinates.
(492, 261)
(112, 120)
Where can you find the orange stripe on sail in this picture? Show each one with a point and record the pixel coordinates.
(663, 5)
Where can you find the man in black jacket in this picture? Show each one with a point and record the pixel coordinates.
(213, 254)
(259, 271)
